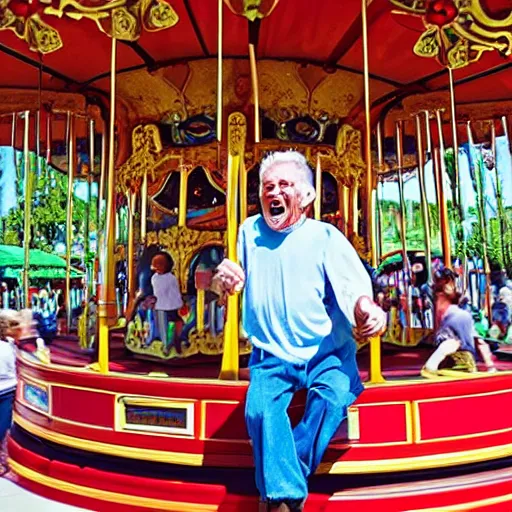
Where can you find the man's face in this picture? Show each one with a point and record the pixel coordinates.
(280, 196)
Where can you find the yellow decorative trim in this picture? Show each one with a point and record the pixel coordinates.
(187, 459)
(112, 497)
(440, 460)
(34, 363)
(473, 505)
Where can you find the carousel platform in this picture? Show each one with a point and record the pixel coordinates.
(149, 438)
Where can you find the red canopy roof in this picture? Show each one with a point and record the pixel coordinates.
(326, 32)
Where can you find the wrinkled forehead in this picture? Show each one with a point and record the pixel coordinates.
(287, 171)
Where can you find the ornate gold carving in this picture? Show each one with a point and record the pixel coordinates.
(252, 9)
(347, 164)
(458, 31)
(237, 133)
(123, 19)
(40, 36)
(146, 147)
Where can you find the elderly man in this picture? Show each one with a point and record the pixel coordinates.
(305, 289)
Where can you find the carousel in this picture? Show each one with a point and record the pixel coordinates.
(150, 118)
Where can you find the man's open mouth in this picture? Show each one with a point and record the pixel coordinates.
(276, 209)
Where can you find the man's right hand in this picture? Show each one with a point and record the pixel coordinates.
(229, 278)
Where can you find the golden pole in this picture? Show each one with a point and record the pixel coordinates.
(237, 131)
(370, 229)
(403, 235)
(103, 172)
(508, 135)
(345, 205)
(375, 347)
(28, 209)
(400, 165)
(255, 91)
(132, 286)
(423, 198)
(443, 209)
(318, 186)
(243, 192)
(69, 213)
(90, 178)
(107, 302)
(219, 72)
(182, 208)
(443, 213)
(454, 136)
(355, 210)
(144, 207)
(483, 226)
(48, 137)
(427, 133)
(380, 160)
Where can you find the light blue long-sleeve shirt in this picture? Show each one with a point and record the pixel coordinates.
(301, 288)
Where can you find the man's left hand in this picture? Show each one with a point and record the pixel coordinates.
(370, 318)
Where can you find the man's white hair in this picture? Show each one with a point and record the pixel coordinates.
(304, 174)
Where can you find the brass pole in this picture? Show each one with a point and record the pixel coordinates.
(508, 135)
(255, 91)
(237, 131)
(355, 211)
(243, 193)
(28, 209)
(443, 208)
(380, 160)
(318, 186)
(90, 178)
(48, 137)
(455, 139)
(427, 133)
(103, 173)
(144, 208)
(219, 71)
(13, 131)
(400, 165)
(370, 225)
(375, 347)
(38, 143)
(483, 225)
(69, 212)
(132, 286)
(499, 196)
(443, 205)
(107, 301)
(182, 208)
(403, 235)
(423, 198)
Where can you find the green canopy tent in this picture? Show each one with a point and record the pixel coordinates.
(43, 265)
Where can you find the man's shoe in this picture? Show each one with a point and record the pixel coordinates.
(429, 374)
(281, 506)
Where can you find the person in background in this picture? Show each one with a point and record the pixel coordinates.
(10, 332)
(455, 329)
(166, 289)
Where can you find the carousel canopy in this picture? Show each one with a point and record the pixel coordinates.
(42, 264)
(74, 37)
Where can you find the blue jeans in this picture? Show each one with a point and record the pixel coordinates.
(285, 457)
(6, 403)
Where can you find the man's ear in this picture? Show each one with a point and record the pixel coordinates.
(308, 196)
